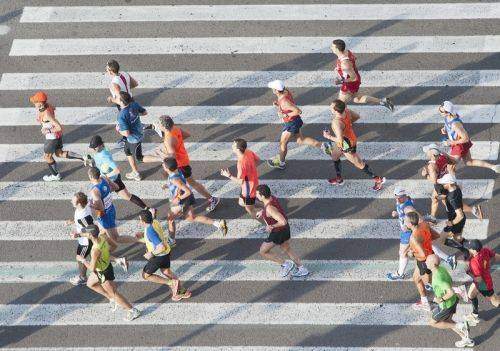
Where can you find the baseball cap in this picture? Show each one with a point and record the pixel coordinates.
(39, 96)
(277, 85)
(92, 230)
(447, 179)
(95, 141)
(431, 147)
(449, 107)
(473, 245)
(399, 191)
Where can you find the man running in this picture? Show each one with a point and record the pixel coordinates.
(173, 142)
(158, 257)
(103, 160)
(52, 130)
(290, 115)
(344, 143)
(481, 260)
(458, 138)
(101, 280)
(247, 177)
(447, 302)
(279, 234)
(349, 78)
(182, 201)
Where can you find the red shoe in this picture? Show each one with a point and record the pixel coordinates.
(378, 183)
(336, 181)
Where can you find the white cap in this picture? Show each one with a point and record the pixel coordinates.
(449, 107)
(447, 179)
(277, 85)
(431, 147)
(399, 191)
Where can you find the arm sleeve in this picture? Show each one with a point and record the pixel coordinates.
(153, 236)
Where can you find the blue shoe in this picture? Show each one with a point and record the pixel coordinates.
(395, 276)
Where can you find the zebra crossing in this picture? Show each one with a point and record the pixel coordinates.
(208, 66)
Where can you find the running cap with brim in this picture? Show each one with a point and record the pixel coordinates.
(473, 245)
(92, 230)
(431, 147)
(276, 85)
(95, 142)
(39, 96)
(399, 191)
(447, 179)
(449, 107)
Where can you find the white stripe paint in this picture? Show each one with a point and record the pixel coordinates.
(188, 313)
(290, 189)
(251, 45)
(19, 116)
(241, 228)
(250, 79)
(288, 12)
(221, 151)
(4, 29)
(231, 348)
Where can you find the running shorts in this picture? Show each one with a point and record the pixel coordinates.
(84, 250)
(51, 145)
(348, 147)
(108, 221)
(157, 262)
(247, 200)
(481, 287)
(422, 268)
(118, 181)
(293, 127)
(461, 150)
(440, 315)
(133, 149)
(279, 237)
(186, 171)
(404, 237)
(459, 227)
(350, 87)
(106, 275)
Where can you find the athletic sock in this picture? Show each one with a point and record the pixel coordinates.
(440, 253)
(403, 262)
(423, 299)
(338, 168)
(368, 171)
(74, 156)
(475, 305)
(216, 224)
(137, 201)
(53, 168)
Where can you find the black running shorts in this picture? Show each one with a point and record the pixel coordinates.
(440, 315)
(118, 181)
(84, 250)
(186, 171)
(422, 268)
(106, 275)
(279, 237)
(51, 145)
(157, 262)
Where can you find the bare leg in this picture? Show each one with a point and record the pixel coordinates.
(110, 288)
(285, 138)
(289, 252)
(199, 188)
(304, 140)
(265, 251)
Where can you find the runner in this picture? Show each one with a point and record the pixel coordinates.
(447, 302)
(458, 138)
(350, 80)
(182, 201)
(481, 260)
(52, 130)
(290, 115)
(130, 126)
(173, 141)
(247, 177)
(279, 234)
(103, 160)
(344, 143)
(158, 257)
(101, 280)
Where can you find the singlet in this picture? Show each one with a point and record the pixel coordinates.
(123, 81)
(286, 97)
(181, 155)
(270, 220)
(82, 218)
(348, 131)
(104, 259)
(400, 208)
(48, 124)
(150, 246)
(350, 56)
(104, 161)
(441, 164)
(423, 232)
(452, 135)
(105, 192)
(174, 189)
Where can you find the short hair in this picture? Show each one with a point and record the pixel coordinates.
(264, 190)
(94, 173)
(113, 66)
(241, 144)
(125, 97)
(81, 199)
(413, 217)
(339, 106)
(170, 163)
(146, 216)
(167, 122)
(339, 44)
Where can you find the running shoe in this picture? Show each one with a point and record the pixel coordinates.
(496, 168)
(88, 160)
(461, 291)
(477, 211)
(212, 203)
(379, 181)
(420, 306)
(77, 280)
(464, 328)
(396, 276)
(276, 164)
(133, 176)
(336, 181)
(452, 261)
(428, 287)
(153, 211)
(468, 342)
(185, 294)
(52, 178)
(120, 143)
(472, 319)
(171, 242)
(286, 268)
(132, 314)
(113, 305)
(430, 218)
(387, 102)
(223, 227)
(300, 272)
(155, 126)
(123, 263)
(326, 147)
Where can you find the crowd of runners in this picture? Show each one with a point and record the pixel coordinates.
(96, 230)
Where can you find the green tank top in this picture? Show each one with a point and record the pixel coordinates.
(103, 261)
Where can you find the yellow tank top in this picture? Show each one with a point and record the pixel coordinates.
(103, 261)
(159, 230)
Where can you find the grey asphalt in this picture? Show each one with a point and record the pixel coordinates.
(486, 335)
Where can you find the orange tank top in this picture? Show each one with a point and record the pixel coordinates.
(423, 235)
(181, 155)
(288, 98)
(348, 131)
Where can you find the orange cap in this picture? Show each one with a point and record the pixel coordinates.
(39, 96)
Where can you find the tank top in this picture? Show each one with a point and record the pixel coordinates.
(82, 218)
(181, 155)
(103, 261)
(400, 208)
(281, 101)
(159, 230)
(270, 220)
(350, 57)
(424, 233)
(174, 189)
(348, 131)
(452, 135)
(48, 124)
(105, 192)
(123, 81)
(441, 164)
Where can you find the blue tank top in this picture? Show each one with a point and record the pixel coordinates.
(105, 192)
(400, 208)
(171, 186)
(452, 135)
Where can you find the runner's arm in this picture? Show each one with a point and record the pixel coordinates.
(133, 82)
(169, 146)
(348, 70)
(354, 116)
(95, 254)
(277, 216)
(459, 216)
(225, 173)
(116, 90)
(417, 249)
(97, 203)
(463, 136)
(154, 238)
(338, 132)
(185, 134)
(181, 186)
(295, 111)
(56, 126)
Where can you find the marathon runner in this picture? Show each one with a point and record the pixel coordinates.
(349, 78)
(344, 143)
(279, 234)
(182, 201)
(52, 130)
(458, 138)
(101, 280)
(290, 115)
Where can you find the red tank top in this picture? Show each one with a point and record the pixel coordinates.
(441, 164)
(286, 97)
(269, 220)
(348, 131)
(350, 56)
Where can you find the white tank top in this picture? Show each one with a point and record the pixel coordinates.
(48, 125)
(123, 81)
(83, 217)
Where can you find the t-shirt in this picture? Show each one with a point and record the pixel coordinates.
(154, 236)
(453, 202)
(441, 282)
(123, 81)
(83, 218)
(479, 266)
(247, 170)
(104, 161)
(423, 235)
(129, 119)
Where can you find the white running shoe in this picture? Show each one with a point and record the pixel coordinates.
(123, 263)
(468, 342)
(212, 203)
(300, 272)
(477, 211)
(396, 276)
(77, 280)
(157, 129)
(133, 176)
(326, 147)
(472, 319)
(421, 306)
(496, 168)
(223, 227)
(132, 314)
(52, 178)
(113, 305)
(286, 268)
